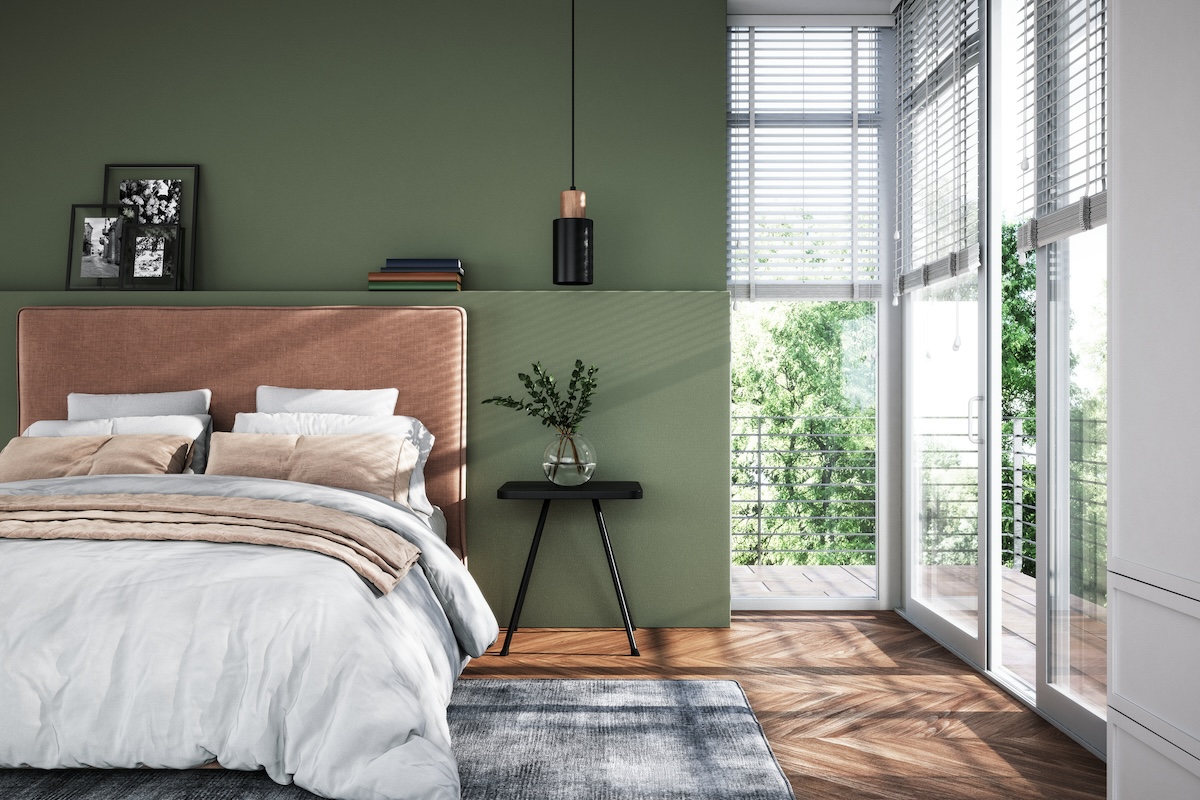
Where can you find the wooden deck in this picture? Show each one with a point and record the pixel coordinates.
(788, 581)
(1088, 632)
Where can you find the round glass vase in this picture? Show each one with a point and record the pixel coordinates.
(570, 460)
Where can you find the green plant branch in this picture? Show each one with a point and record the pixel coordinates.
(547, 403)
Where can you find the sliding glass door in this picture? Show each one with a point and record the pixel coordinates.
(946, 463)
(939, 283)
(1006, 482)
(1073, 495)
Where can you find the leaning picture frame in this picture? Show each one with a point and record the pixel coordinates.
(160, 195)
(151, 256)
(95, 247)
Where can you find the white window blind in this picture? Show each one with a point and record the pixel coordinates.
(1064, 52)
(937, 144)
(804, 187)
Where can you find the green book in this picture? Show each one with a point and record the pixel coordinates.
(403, 286)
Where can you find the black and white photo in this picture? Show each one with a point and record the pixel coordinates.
(152, 252)
(157, 195)
(101, 256)
(100, 247)
(155, 201)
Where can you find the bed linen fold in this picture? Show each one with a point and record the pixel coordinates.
(174, 654)
(375, 553)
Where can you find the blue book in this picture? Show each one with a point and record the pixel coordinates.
(423, 265)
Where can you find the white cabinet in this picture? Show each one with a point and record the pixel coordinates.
(1144, 765)
(1154, 381)
(1154, 688)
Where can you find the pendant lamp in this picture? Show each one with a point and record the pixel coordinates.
(573, 230)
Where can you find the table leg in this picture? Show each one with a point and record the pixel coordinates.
(612, 567)
(516, 615)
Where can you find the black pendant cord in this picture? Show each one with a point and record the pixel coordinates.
(572, 95)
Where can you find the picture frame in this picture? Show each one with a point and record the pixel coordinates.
(95, 246)
(161, 194)
(151, 257)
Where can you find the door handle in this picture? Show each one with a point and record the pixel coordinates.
(975, 435)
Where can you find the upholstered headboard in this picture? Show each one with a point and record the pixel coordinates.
(232, 350)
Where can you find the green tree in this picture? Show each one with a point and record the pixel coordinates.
(804, 407)
(804, 465)
(1018, 402)
(1018, 328)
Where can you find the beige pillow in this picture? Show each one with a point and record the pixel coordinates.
(378, 463)
(27, 458)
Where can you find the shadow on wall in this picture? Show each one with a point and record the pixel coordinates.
(645, 343)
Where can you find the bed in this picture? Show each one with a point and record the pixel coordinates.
(131, 651)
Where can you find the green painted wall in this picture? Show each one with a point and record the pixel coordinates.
(661, 416)
(333, 135)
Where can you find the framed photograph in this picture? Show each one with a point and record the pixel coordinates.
(151, 257)
(109, 250)
(159, 195)
(96, 247)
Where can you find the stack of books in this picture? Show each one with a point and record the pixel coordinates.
(418, 274)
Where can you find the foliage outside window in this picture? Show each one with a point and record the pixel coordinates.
(804, 467)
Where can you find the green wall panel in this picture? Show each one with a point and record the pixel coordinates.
(661, 416)
(334, 135)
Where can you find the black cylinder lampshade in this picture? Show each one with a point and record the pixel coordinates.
(573, 251)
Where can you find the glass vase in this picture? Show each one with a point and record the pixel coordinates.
(570, 460)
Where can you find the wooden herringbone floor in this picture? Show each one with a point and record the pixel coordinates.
(856, 705)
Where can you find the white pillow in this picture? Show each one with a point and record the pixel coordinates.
(359, 402)
(62, 427)
(305, 423)
(148, 404)
(197, 426)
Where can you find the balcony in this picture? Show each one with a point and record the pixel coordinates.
(803, 523)
(803, 506)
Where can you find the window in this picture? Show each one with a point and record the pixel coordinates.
(804, 162)
(1064, 198)
(805, 123)
(937, 219)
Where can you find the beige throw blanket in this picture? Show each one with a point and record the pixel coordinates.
(378, 554)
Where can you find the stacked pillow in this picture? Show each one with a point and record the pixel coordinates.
(349, 438)
(375, 463)
(150, 413)
(28, 458)
(342, 412)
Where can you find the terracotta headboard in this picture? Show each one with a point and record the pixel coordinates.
(232, 350)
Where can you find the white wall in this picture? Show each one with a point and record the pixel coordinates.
(1154, 231)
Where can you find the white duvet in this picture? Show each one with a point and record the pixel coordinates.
(178, 654)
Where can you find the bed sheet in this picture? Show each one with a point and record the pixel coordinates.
(177, 654)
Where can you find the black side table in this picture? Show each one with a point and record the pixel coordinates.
(594, 491)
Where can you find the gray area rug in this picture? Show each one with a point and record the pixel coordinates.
(523, 740)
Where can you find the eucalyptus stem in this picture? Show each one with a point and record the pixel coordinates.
(548, 404)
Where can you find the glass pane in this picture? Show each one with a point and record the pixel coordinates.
(1016, 571)
(803, 477)
(943, 344)
(1017, 568)
(1078, 319)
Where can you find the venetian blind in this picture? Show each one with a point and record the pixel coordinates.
(804, 121)
(1064, 170)
(937, 143)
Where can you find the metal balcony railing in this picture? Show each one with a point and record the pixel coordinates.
(803, 490)
(949, 499)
